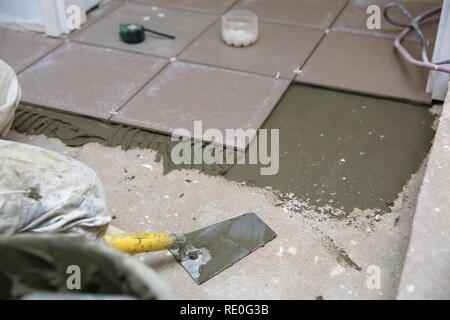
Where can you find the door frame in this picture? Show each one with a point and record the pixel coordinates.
(54, 16)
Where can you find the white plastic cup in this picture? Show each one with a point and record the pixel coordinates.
(239, 28)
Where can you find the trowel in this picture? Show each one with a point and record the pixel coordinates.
(205, 252)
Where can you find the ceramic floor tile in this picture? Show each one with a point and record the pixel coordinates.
(184, 25)
(222, 99)
(280, 48)
(365, 64)
(211, 6)
(310, 13)
(87, 80)
(354, 19)
(20, 49)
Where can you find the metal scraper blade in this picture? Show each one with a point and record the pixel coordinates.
(209, 251)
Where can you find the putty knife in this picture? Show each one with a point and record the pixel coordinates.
(209, 251)
(205, 252)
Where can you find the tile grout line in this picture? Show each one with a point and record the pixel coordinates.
(234, 70)
(339, 14)
(198, 36)
(140, 89)
(42, 57)
(98, 46)
(231, 6)
(325, 33)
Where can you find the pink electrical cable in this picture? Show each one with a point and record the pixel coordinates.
(405, 53)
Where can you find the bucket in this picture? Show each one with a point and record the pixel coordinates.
(63, 267)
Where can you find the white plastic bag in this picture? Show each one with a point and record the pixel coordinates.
(9, 97)
(43, 191)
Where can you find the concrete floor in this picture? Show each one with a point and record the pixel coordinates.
(310, 258)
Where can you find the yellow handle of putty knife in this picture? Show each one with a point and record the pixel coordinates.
(138, 242)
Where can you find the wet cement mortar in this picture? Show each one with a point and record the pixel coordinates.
(330, 229)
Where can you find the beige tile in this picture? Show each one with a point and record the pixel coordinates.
(210, 6)
(280, 48)
(87, 80)
(20, 49)
(365, 64)
(354, 19)
(222, 99)
(184, 25)
(310, 13)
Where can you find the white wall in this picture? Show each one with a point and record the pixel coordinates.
(20, 12)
